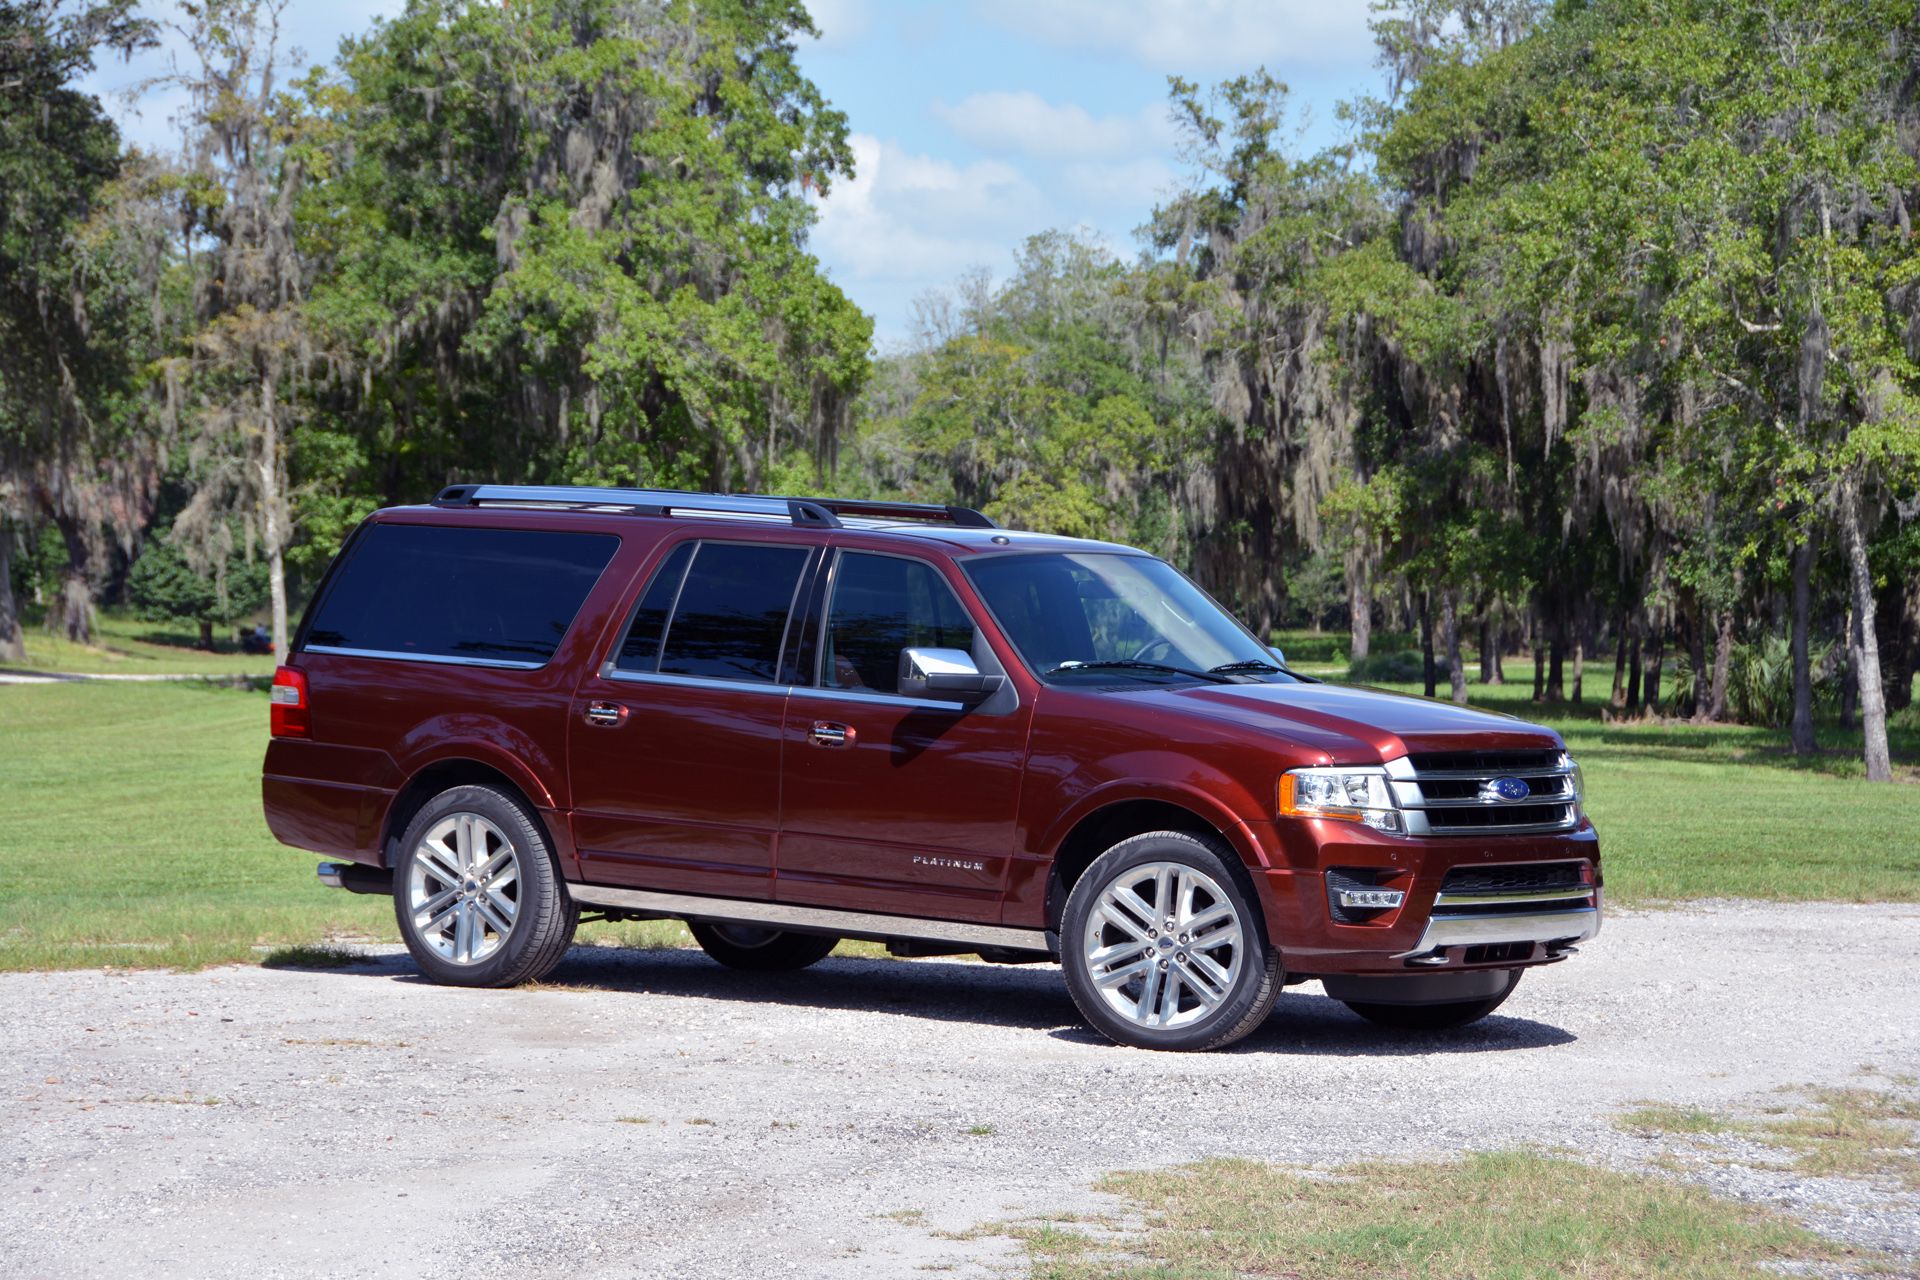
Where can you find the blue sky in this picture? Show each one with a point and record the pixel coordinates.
(977, 123)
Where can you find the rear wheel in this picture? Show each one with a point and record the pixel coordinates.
(476, 894)
(1433, 1017)
(1162, 947)
(758, 949)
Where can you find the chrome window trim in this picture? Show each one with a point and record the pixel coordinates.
(698, 682)
(879, 699)
(443, 659)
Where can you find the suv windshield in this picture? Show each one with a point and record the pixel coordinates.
(1086, 617)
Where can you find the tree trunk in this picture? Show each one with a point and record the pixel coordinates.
(1849, 667)
(1426, 642)
(274, 530)
(1873, 703)
(1898, 623)
(1539, 654)
(1557, 656)
(74, 616)
(1359, 607)
(1619, 699)
(1722, 666)
(1579, 657)
(1800, 731)
(1656, 654)
(206, 635)
(1634, 669)
(1697, 656)
(1450, 623)
(13, 646)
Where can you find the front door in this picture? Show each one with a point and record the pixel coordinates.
(893, 804)
(675, 741)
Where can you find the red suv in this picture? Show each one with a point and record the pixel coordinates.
(792, 720)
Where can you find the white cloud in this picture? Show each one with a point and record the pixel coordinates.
(1197, 37)
(905, 215)
(840, 22)
(1025, 123)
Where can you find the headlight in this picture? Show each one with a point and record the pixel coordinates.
(1352, 794)
(1578, 781)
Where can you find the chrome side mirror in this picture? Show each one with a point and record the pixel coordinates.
(943, 675)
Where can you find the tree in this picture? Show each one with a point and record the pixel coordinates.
(163, 585)
(66, 366)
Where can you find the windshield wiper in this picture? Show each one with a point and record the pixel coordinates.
(1134, 664)
(1245, 664)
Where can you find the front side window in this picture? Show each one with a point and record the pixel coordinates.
(1102, 615)
(882, 604)
(729, 617)
(438, 591)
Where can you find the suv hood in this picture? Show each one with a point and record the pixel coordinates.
(1353, 725)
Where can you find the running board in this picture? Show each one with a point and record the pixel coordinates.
(848, 924)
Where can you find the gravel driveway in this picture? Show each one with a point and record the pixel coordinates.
(651, 1114)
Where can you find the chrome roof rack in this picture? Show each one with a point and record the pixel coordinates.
(818, 513)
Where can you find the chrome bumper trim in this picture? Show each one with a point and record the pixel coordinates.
(821, 919)
(1467, 931)
(1500, 897)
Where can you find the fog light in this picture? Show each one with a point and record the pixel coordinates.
(1371, 899)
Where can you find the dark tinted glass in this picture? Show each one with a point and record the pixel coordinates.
(881, 605)
(733, 611)
(493, 594)
(640, 651)
(1063, 611)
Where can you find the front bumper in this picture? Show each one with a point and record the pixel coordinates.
(1559, 930)
(1432, 929)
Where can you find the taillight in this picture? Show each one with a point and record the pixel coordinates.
(290, 716)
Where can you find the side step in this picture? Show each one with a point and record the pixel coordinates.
(787, 915)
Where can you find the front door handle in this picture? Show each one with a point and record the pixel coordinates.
(827, 733)
(611, 715)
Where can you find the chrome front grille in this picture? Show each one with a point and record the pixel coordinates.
(1456, 793)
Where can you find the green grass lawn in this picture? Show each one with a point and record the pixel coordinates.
(132, 835)
(124, 645)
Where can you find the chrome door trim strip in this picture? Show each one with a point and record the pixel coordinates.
(699, 682)
(441, 658)
(846, 923)
(880, 699)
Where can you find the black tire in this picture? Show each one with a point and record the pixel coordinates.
(1251, 965)
(1433, 1017)
(543, 915)
(757, 949)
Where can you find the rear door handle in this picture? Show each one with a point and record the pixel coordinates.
(827, 733)
(608, 714)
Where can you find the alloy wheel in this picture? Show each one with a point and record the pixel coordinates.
(463, 888)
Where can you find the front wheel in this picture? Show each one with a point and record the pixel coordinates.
(1162, 947)
(1433, 1017)
(761, 950)
(476, 893)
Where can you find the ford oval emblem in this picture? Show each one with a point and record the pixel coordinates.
(1505, 789)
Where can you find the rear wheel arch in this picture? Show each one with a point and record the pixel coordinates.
(430, 781)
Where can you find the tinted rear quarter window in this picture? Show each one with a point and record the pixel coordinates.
(488, 595)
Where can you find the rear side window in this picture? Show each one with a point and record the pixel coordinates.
(731, 614)
(640, 651)
(487, 595)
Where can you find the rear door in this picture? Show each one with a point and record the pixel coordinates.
(893, 804)
(675, 739)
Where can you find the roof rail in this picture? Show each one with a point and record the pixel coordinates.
(819, 513)
(641, 502)
(965, 517)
